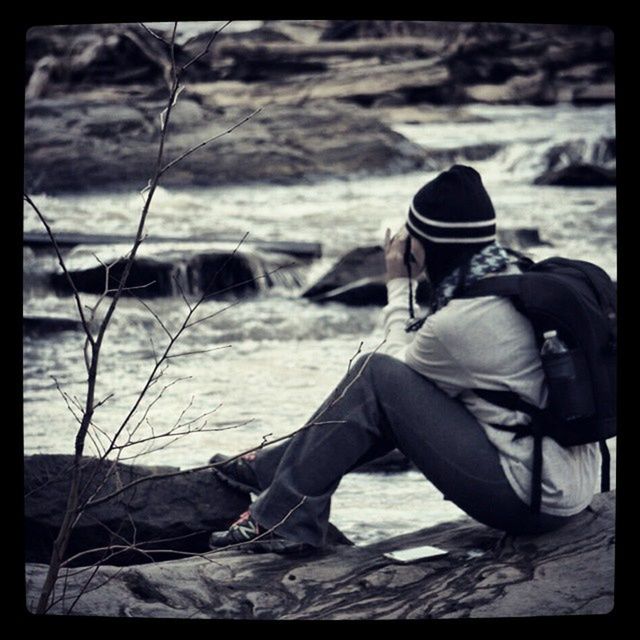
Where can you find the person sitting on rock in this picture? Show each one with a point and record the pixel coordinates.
(415, 394)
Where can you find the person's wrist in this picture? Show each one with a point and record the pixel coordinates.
(399, 284)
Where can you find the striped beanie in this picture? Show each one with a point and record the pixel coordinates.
(453, 217)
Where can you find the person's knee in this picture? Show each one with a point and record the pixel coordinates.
(375, 361)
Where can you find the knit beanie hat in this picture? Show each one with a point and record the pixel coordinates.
(454, 218)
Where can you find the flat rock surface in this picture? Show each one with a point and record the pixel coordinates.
(485, 574)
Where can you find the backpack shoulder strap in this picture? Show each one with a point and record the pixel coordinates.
(508, 286)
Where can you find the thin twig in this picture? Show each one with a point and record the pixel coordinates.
(54, 242)
(181, 290)
(212, 315)
(352, 382)
(66, 400)
(206, 49)
(236, 285)
(183, 472)
(105, 399)
(354, 356)
(197, 352)
(208, 141)
(154, 34)
(172, 51)
(113, 576)
(83, 590)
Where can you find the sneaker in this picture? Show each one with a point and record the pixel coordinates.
(247, 532)
(237, 473)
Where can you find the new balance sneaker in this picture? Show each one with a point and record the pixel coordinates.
(247, 534)
(236, 473)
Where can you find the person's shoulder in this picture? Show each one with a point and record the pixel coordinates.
(461, 312)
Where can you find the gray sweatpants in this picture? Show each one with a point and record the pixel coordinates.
(383, 404)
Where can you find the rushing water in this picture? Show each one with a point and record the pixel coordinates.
(277, 356)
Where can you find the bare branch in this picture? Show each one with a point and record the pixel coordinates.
(191, 353)
(105, 399)
(83, 590)
(184, 297)
(182, 413)
(352, 382)
(206, 49)
(133, 288)
(206, 142)
(172, 53)
(96, 442)
(153, 349)
(155, 35)
(355, 355)
(182, 472)
(133, 546)
(113, 576)
(61, 262)
(212, 315)
(67, 400)
(76, 504)
(236, 285)
(150, 406)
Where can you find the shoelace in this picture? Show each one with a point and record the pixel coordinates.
(245, 526)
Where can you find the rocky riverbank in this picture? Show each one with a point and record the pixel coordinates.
(328, 92)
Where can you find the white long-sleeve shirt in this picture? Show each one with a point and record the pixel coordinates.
(485, 343)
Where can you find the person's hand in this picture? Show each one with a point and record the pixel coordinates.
(394, 255)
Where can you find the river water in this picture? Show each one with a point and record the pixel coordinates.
(278, 355)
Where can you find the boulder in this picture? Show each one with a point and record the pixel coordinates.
(361, 293)
(601, 152)
(580, 163)
(179, 511)
(484, 574)
(579, 175)
(359, 277)
(519, 89)
(148, 278)
(441, 159)
(595, 94)
(521, 238)
(75, 143)
(216, 273)
(45, 325)
(359, 263)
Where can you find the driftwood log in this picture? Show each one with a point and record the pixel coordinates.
(484, 575)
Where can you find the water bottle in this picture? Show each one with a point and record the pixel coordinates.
(552, 344)
(569, 395)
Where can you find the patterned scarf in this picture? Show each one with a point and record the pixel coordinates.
(492, 259)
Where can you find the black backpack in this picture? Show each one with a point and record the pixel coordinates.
(577, 299)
